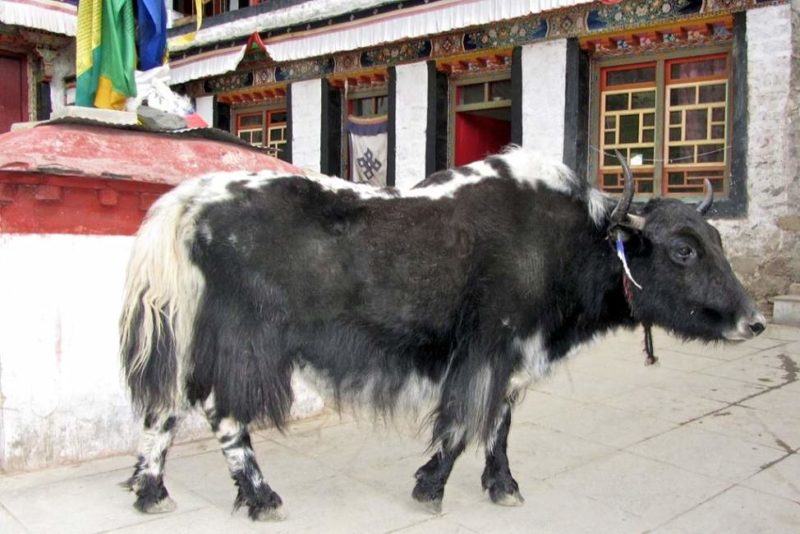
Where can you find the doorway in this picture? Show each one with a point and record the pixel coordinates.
(13, 93)
(482, 121)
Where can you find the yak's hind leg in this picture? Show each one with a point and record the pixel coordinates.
(496, 478)
(263, 504)
(470, 402)
(148, 474)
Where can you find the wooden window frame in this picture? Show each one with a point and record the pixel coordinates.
(455, 87)
(266, 113)
(373, 94)
(662, 81)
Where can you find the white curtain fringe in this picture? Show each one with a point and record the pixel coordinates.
(39, 16)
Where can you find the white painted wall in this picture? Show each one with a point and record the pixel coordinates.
(63, 66)
(544, 75)
(411, 122)
(765, 246)
(204, 106)
(62, 398)
(60, 378)
(307, 124)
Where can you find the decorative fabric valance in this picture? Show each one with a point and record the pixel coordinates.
(438, 17)
(406, 23)
(47, 15)
(301, 13)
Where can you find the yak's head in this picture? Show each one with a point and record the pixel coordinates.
(687, 284)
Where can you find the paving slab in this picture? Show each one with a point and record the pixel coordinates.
(665, 404)
(540, 452)
(782, 478)
(548, 509)
(607, 425)
(86, 504)
(650, 490)
(710, 387)
(756, 426)
(708, 453)
(741, 510)
(10, 523)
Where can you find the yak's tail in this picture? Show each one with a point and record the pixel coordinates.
(162, 291)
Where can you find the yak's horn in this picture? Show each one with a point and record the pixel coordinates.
(705, 205)
(620, 212)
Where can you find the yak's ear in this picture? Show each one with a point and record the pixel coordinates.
(631, 227)
(634, 222)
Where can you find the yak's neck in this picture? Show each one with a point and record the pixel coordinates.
(606, 301)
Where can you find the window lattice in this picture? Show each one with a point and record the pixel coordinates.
(670, 119)
(266, 128)
(628, 125)
(697, 124)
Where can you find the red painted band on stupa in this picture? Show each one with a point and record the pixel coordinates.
(97, 180)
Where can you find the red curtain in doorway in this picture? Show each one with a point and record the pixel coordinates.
(478, 136)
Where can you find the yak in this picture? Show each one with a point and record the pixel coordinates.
(460, 291)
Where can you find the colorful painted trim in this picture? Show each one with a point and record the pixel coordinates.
(578, 21)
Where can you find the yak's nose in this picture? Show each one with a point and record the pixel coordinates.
(747, 327)
(757, 324)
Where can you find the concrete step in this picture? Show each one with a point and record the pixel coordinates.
(786, 310)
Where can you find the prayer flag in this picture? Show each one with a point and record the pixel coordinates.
(152, 36)
(105, 53)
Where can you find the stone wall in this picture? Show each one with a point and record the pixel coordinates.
(764, 246)
(792, 220)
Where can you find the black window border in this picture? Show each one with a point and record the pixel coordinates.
(580, 69)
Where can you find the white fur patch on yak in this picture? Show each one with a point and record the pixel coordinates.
(535, 363)
(526, 167)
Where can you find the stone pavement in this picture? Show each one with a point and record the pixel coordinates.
(704, 442)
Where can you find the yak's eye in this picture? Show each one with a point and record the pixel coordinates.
(683, 252)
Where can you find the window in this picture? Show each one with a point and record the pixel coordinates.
(481, 116)
(211, 8)
(369, 106)
(266, 128)
(367, 100)
(670, 117)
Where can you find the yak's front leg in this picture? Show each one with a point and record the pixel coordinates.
(432, 477)
(263, 504)
(496, 478)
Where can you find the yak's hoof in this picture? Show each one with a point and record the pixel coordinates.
(271, 513)
(163, 506)
(431, 501)
(506, 499)
(434, 507)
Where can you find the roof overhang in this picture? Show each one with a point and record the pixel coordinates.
(426, 19)
(47, 15)
(389, 26)
(206, 64)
